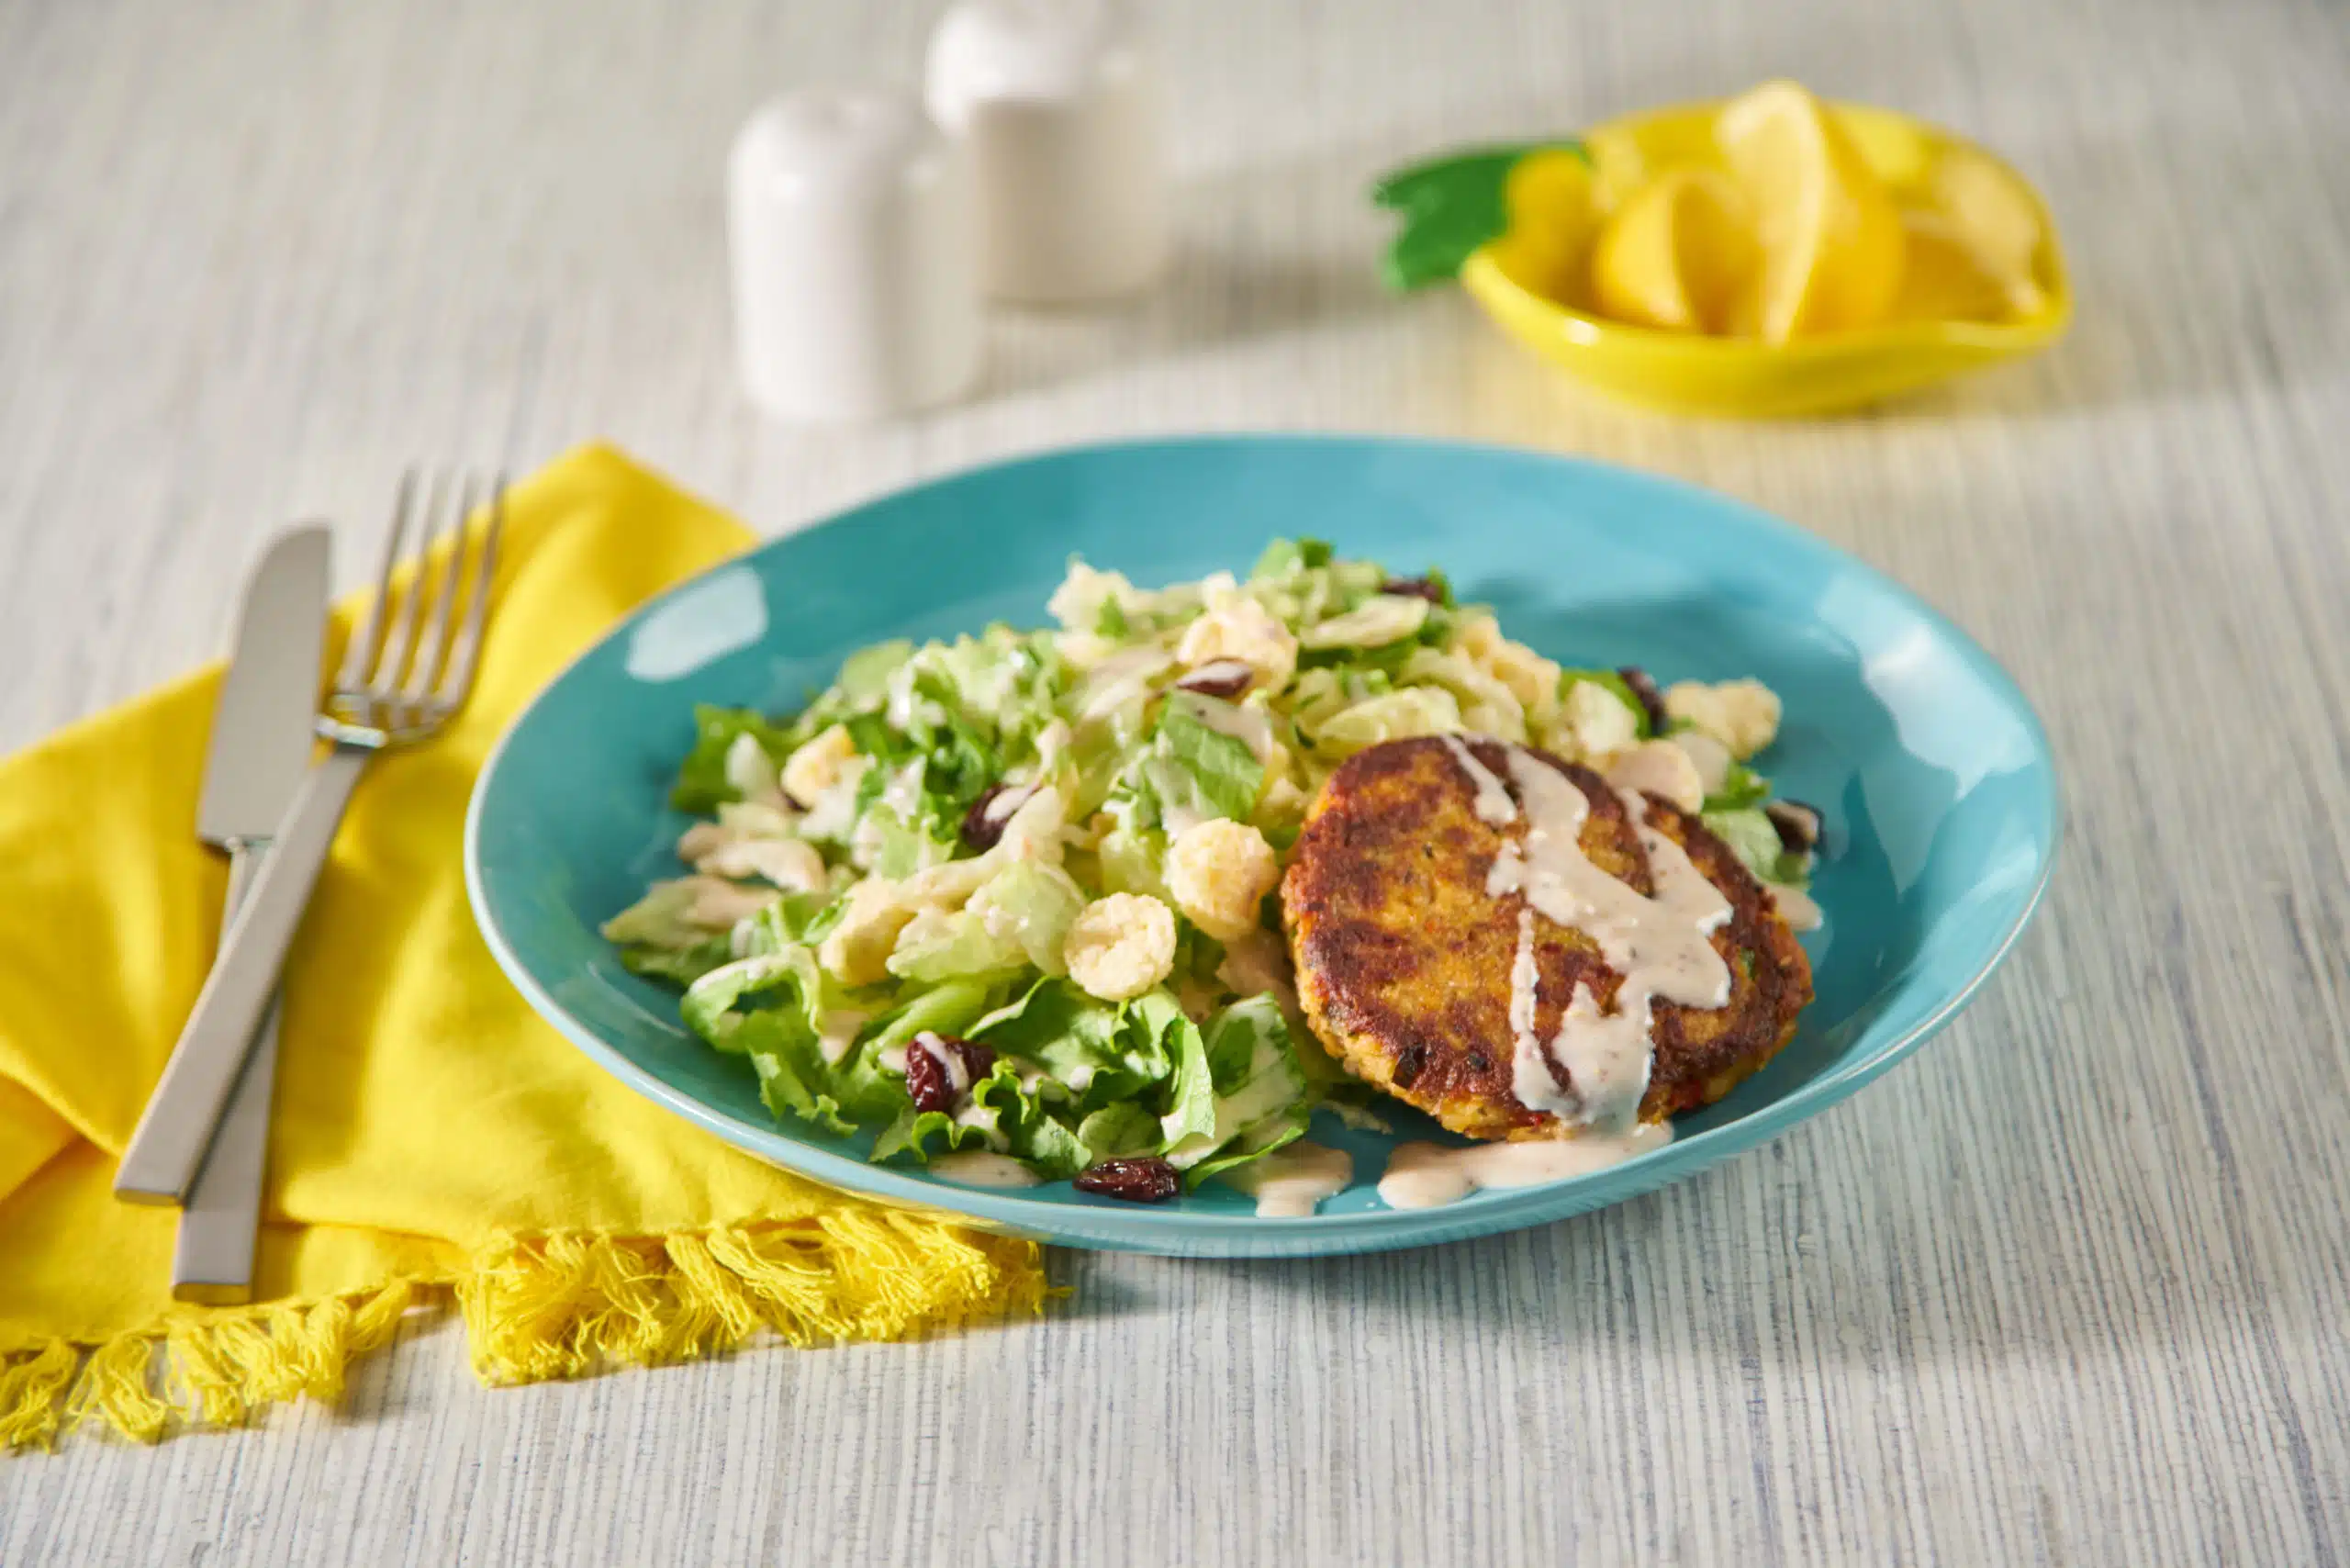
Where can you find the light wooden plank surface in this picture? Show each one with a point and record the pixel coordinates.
(2066, 1289)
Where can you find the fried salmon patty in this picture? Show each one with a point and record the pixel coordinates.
(1404, 959)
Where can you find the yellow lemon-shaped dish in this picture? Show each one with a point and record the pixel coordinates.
(1982, 279)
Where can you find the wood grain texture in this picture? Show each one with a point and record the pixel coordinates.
(2066, 1289)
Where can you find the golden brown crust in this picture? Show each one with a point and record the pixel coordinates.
(1404, 960)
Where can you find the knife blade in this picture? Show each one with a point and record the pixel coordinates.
(263, 730)
(266, 721)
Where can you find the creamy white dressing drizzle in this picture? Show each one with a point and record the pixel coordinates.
(1594, 1072)
(1291, 1181)
(836, 1031)
(985, 1118)
(1494, 802)
(999, 807)
(1222, 672)
(976, 1168)
(1426, 1175)
(1246, 725)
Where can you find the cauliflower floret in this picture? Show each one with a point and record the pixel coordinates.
(1742, 715)
(858, 951)
(1234, 626)
(1659, 767)
(1531, 679)
(1594, 722)
(1219, 872)
(1120, 946)
(815, 768)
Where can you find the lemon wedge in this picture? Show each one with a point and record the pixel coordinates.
(1678, 254)
(1547, 200)
(1944, 279)
(1993, 216)
(1831, 237)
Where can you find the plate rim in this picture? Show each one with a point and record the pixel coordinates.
(1095, 1227)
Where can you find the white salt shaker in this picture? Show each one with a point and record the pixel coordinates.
(1062, 107)
(855, 258)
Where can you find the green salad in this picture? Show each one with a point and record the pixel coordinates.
(1015, 894)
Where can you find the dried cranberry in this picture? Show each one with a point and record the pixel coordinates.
(935, 1063)
(1798, 824)
(1219, 677)
(926, 1081)
(978, 1061)
(1149, 1180)
(1413, 588)
(1651, 701)
(983, 823)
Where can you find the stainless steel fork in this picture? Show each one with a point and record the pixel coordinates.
(409, 669)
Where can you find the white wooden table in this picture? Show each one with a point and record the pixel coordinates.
(2068, 1288)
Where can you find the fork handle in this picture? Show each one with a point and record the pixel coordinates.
(212, 1258)
(167, 1150)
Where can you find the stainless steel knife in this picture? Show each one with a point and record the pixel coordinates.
(262, 733)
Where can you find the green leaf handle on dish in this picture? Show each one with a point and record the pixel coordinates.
(1450, 205)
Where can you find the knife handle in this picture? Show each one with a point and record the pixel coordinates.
(212, 1261)
(167, 1149)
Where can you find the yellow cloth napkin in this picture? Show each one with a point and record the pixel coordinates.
(431, 1134)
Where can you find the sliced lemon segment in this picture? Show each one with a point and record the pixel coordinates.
(1942, 279)
(1995, 218)
(1548, 198)
(1678, 255)
(1831, 236)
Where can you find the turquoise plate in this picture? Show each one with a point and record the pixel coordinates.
(1935, 774)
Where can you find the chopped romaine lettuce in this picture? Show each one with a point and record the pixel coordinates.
(1741, 788)
(1393, 715)
(703, 783)
(1617, 687)
(1752, 837)
(886, 895)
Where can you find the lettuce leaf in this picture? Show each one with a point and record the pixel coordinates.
(1125, 1127)
(1191, 1114)
(701, 784)
(1258, 1097)
(1394, 715)
(1617, 687)
(1286, 557)
(1197, 770)
(1032, 905)
(1099, 1051)
(999, 1116)
(1741, 788)
(682, 965)
(949, 1009)
(1752, 837)
(780, 1033)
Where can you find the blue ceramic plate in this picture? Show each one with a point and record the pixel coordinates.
(1935, 777)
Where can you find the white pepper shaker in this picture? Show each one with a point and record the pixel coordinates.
(856, 257)
(1063, 110)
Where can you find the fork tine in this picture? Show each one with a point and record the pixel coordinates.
(467, 651)
(359, 657)
(432, 651)
(391, 661)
